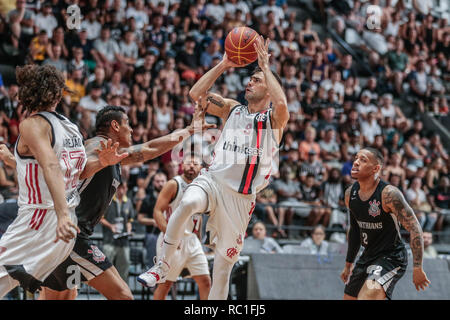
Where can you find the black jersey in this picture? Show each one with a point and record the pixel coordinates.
(96, 194)
(379, 231)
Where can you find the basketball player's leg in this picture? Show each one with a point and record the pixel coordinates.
(194, 200)
(162, 290)
(49, 294)
(221, 278)
(371, 290)
(111, 285)
(6, 285)
(204, 285)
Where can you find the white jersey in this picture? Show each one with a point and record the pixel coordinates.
(243, 156)
(67, 143)
(193, 223)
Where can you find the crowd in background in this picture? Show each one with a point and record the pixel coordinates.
(146, 55)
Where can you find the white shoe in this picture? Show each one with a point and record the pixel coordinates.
(156, 274)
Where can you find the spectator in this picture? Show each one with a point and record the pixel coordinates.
(259, 242)
(415, 154)
(188, 61)
(288, 195)
(56, 60)
(310, 196)
(264, 211)
(78, 63)
(162, 115)
(39, 47)
(418, 200)
(142, 113)
(335, 83)
(329, 149)
(439, 199)
(429, 251)
(332, 197)
(215, 12)
(365, 106)
(91, 104)
(309, 143)
(45, 20)
(212, 51)
(145, 216)
(261, 12)
(106, 51)
(91, 25)
(370, 128)
(316, 243)
(139, 13)
(347, 68)
(420, 85)
(116, 230)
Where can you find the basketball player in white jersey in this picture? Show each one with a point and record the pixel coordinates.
(240, 168)
(190, 254)
(50, 158)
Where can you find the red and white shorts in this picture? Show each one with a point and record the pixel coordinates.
(29, 241)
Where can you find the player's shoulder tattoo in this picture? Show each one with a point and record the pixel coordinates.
(347, 194)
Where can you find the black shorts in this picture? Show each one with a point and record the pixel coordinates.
(386, 270)
(84, 263)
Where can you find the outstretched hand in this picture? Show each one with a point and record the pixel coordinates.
(198, 119)
(108, 155)
(262, 49)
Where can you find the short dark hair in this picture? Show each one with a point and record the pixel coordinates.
(377, 154)
(106, 115)
(258, 69)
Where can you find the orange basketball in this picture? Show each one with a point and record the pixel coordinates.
(239, 45)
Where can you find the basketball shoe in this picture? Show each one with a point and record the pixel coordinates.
(156, 274)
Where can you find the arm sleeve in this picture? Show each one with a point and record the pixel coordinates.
(354, 241)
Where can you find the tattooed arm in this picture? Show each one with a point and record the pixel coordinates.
(156, 147)
(219, 106)
(394, 201)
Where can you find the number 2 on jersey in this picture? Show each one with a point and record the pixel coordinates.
(364, 238)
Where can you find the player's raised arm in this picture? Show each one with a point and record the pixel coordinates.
(166, 195)
(35, 133)
(354, 242)
(219, 106)
(393, 199)
(277, 96)
(156, 147)
(100, 155)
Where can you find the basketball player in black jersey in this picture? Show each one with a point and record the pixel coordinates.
(376, 209)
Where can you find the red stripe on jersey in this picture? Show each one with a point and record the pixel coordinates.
(44, 211)
(33, 218)
(37, 183)
(28, 185)
(248, 180)
(36, 221)
(31, 182)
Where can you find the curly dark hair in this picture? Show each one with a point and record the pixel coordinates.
(40, 87)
